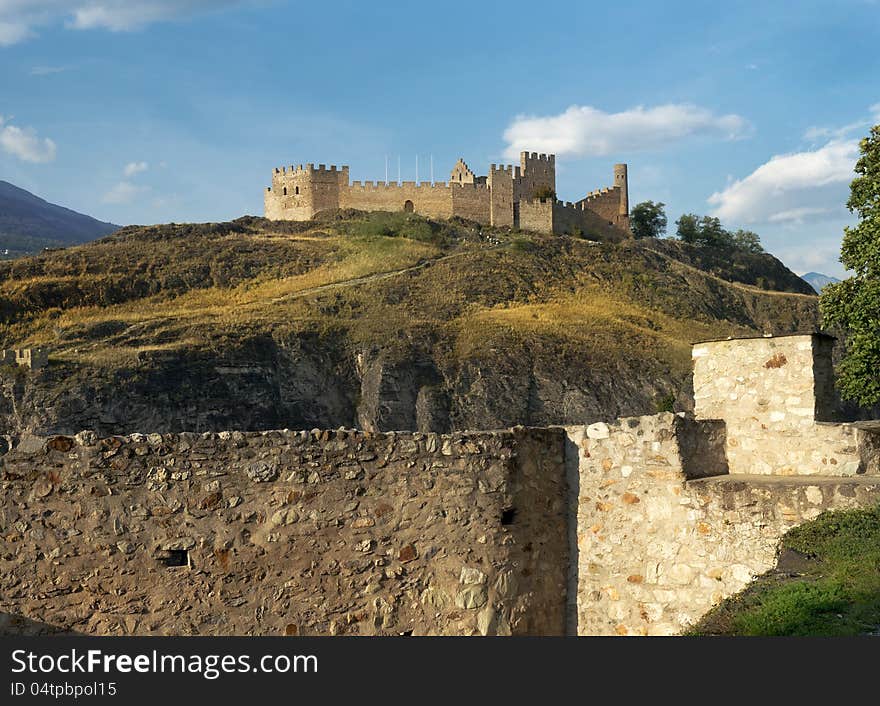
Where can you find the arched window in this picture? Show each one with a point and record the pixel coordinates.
(285, 191)
(297, 190)
(408, 206)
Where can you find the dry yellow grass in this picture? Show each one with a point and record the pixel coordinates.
(252, 300)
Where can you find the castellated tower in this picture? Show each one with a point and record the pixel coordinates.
(537, 173)
(298, 193)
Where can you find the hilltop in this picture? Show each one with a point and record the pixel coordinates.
(28, 223)
(381, 321)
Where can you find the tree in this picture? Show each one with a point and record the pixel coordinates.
(854, 303)
(713, 233)
(688, 228)
(647, 219)
(747, 240)
(702, 230)
(707, 230)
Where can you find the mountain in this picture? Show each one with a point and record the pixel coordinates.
(28, 223)
(377, 321)
(817, 280)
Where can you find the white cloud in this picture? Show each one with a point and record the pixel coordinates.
(133, 168)
(841, 133)
(791, 187)
(588, 131)
(24, 143)
(19, 18)
(12, 32)
(47, 70)
(124, 192)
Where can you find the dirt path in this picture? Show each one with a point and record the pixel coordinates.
(376, 276)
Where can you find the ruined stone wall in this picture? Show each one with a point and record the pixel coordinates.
(773, 392)
(434, 201)
(663, 533)
(575, 219)
(283, 532)
(605, 203)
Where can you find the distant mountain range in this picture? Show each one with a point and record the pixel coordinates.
(817, 280)
(28, 223)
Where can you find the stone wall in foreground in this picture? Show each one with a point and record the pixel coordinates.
(281, 532)
(664, 532)
(776, 395)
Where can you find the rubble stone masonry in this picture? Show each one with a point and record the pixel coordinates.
(634, 526)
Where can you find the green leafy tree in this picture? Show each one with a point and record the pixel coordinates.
(707, 230)
(702, 230)
(713, 233)
(747, 240)
(854, 304)
(688, 228)
(647, 219)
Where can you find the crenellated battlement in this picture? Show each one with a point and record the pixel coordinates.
(311, 169)
(536, 157)
(598, 193)
(300, 191)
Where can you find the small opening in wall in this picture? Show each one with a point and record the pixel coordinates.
(285, 191)
(296, 190)
(508, 515)
(174, 557)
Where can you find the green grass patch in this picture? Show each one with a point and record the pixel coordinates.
(836, 591)
(396, 225)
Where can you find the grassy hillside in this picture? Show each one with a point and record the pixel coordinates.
(827, 582)
(475, 301)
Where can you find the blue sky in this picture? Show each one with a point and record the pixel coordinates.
(146, 111)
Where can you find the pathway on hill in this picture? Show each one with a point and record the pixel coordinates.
(376, 276)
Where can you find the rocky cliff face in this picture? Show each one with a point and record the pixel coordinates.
(439, 327)
(316, 384)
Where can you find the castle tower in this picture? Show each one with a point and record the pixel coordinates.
(620, 180)
(537, 175)
(298, 193)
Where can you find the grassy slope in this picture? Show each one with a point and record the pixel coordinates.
(456, 288)
(834, 588)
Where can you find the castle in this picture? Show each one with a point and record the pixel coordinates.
(521, 196)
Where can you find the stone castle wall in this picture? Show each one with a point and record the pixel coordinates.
(434, 201)
(287, 533)
(536, 215)
(664, 532)
(554, 216)
(605, 202)
(635, 526)
(499, 199)
(775, 393)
